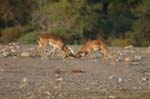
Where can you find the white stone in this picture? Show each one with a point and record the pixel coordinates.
(128, 47)
(111, 77)
(13, 50)
(120, 80)
(138, 57)
(144, 79)
(25, 54)
(135, 63)
(60, 79)
(127, 59)
(111, 97)
(5, 54)
(25, 80)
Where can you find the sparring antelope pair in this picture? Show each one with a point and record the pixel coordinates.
(58, 43)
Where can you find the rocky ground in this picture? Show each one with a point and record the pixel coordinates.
(24, 75)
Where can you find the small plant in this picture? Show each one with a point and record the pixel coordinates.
(121, 42)
(29, 38)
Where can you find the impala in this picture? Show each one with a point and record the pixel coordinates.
(95, 45)
(56, 42)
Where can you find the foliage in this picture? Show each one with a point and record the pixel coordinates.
(13, 33)
(121, 42)
(14, 12)
(30, 38)
(74, 16)
(115, 26)
(141, 35)
(123, 7)
(119, 22)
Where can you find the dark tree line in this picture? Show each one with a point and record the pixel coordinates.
(119, 22)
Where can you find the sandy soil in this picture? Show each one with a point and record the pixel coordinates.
(34, 78)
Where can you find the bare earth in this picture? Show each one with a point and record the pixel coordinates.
(34, 78)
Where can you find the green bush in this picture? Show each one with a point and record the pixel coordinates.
(11, 34)
(29, 38)
(121, 42)
(141, 32)
(139, 39)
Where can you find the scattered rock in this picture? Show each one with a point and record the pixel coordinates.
(13, 44)
(2, 70)
(118, 59)
(25, 80)
(145, 79)
(24, 54)
(57, 71)
(57, 75)
(13, 50)
(138, 58)
(5, 54)
(128, 47)
(135, 63)
(120, 80)
(112, 77)
(78, 71)
(147, 73)
(87, 88)
(126, 52)
(128, 60)
(111, 97)
(47, 93)
(61, 79)
(57, 87)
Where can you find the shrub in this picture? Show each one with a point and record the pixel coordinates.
(141, 32)
(121, 42)
(11, 34)
(29, 38)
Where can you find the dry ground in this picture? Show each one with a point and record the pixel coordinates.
(34, 78)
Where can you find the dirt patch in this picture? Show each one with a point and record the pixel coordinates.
(34, 78)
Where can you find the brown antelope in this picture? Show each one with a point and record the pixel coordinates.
(56, 42)
(95, 45)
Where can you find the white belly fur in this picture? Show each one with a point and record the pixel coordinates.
(96, 49)
(54, 45)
